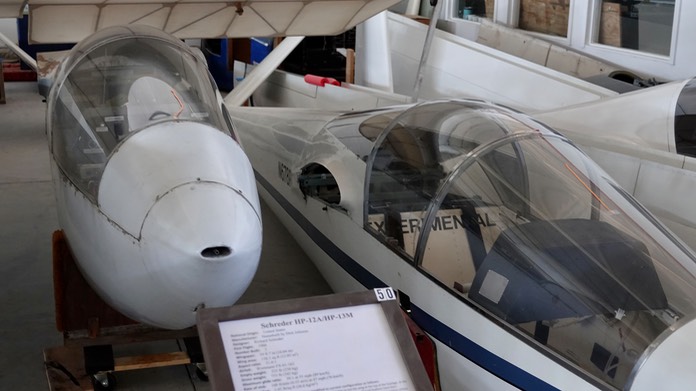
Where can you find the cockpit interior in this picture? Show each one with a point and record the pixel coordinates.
(112, 88)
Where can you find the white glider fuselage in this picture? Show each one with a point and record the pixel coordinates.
(527, 266)
(155, 194)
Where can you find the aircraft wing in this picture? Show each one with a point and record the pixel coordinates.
(66, 21)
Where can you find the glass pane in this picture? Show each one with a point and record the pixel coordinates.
(481, 8)
(416, 152)
(403, 180)
(77, 149)
(120, 87)
(640, 25)
(545, 16)
(358, 131)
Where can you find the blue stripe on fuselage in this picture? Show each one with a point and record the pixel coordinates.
(459, 343)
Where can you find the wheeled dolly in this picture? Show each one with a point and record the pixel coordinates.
(91, 329)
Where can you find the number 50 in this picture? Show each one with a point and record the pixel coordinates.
(385, 294)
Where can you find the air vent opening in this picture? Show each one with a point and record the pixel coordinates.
(216, 252)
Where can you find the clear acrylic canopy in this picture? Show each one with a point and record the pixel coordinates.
(114, 84)
(509, 215)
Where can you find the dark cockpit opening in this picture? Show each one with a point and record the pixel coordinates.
(318, 182)
(685, 120)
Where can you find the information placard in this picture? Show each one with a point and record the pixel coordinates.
(343, 342)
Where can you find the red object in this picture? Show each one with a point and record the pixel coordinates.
(321, 81)
(12, 72)
(426, 350)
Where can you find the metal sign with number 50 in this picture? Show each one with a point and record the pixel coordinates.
(385, 294)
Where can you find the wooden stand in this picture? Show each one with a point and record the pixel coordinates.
(91, 327)
(350, 66)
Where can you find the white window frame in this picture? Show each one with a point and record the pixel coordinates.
(452, 14)
(512, 19)
(592, 32)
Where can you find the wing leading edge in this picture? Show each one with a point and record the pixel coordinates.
(60, 21)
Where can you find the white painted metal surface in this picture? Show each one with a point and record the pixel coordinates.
(63, 21)
(669, 363)
(169, 164)
(644, 118)
(372, 68)
(283, 89)
(161, 277)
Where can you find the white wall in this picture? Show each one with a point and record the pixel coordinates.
(678, 65)
(8, 27)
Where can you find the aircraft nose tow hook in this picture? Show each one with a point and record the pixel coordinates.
(216, 252)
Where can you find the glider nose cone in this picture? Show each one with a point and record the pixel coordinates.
(671, 353)
(202, 243)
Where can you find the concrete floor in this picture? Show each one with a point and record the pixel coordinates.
(27, 219)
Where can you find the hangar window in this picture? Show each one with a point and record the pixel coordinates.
(640, 25)
(465, 9)
(545, 16)
(317, 181)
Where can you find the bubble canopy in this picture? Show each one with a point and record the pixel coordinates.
(117, 82)
(513, 219)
